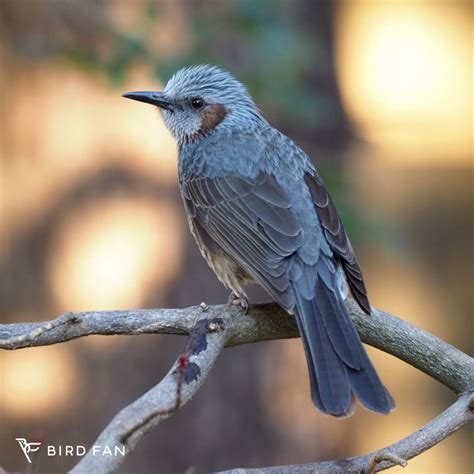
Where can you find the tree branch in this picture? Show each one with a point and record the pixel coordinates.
(206, 341)
(213, 328)
(455, 417)
(264, 322)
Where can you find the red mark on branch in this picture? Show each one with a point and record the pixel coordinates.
(182, 360)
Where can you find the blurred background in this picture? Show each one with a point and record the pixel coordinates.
(378, 93)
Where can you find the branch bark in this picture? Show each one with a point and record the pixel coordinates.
(264, 322)
(206, 341)
(455, 417)
(213, 328)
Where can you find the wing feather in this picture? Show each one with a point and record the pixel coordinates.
(338, 240)
(252, 221)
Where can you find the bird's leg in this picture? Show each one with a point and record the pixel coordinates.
(236, 300)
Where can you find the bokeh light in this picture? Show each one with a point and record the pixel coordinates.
(108, 256)
(404, 70)
(38, 381)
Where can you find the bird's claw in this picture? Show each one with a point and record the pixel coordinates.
(237, 300)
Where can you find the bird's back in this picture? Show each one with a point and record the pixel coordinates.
(249, 151)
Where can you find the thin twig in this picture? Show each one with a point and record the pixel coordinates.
(378, 458)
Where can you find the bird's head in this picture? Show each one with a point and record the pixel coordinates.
(199, 99)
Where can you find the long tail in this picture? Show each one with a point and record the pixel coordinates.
(339, 368)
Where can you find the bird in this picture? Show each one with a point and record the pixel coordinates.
(260, 213)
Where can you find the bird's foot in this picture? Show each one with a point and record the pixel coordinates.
(241, 301)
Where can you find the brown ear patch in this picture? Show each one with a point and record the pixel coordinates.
(211, 117)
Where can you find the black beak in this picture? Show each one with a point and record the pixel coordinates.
(155, 98)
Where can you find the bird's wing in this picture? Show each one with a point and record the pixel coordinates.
(337, 239)
(251, 220)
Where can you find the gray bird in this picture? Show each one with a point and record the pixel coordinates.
(260, 212)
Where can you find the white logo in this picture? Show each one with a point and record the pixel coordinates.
(28, 447)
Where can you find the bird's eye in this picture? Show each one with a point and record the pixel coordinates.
(197, 103)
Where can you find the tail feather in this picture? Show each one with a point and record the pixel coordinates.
(330, 388)
(340, 329)
(368, 388)
(339, 367)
